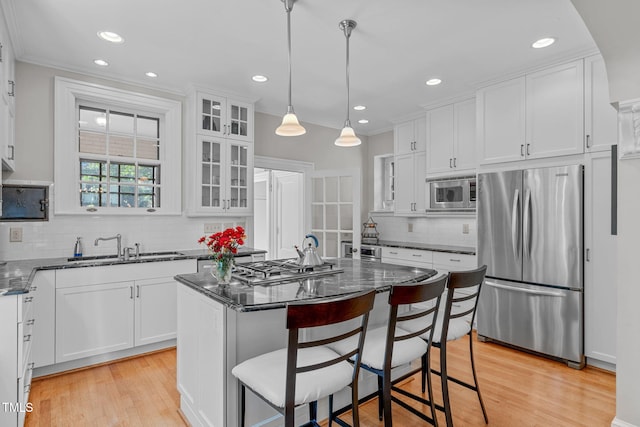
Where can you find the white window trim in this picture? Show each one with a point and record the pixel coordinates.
(67, 93)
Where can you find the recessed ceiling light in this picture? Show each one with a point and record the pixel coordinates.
(110, 36)
(363, 121)
(150, 74)
(100, 62)
(359, 107)
(260, 79)
(547, 41)
(433, 82)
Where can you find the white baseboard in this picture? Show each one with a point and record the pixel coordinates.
(617, 422)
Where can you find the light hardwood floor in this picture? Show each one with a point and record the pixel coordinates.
(519, 389)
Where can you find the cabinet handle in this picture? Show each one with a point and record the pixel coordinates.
(417, 255)
(28, 300)
(455, 160)
(528, 153)
(130, 292)
(521, 150)
(32, 365)
(13, 152)
(450, 163)
(27, 338)
(393, 253)
(137, 291)
(30, 322)
(588, 255)
(27, 388)
(0, 52)
(587, 138)
(454, 260)
(12, 92)
(33, 288)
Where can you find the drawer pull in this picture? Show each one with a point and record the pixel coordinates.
(27, 338)
(393, 253)
(454, 260)
(32, 365)
(33, 289)
(28, 299)
(417, 255)
(30, 322)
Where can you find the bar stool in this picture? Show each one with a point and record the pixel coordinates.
(304, 372)
(455, 320)
(390, 346)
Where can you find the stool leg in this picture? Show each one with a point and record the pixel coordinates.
(313, 411)
(445, 383)
(425, 369)
(330, 410)
(387, 399)
(380, 398)
(242, 403)
(475, 379)
(354, 404)
(426, 360)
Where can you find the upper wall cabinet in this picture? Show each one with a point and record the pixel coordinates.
(451, 138)
(224, 117)
(601, 119)
(536, 116)
(219, 160)
(410, 160)
(7, 102)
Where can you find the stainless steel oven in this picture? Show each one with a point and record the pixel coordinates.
(452, 194)
(367, 252)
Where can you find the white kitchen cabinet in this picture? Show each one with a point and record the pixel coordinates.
(410, 136)
(410, 163)
(448, 261)
(224, 117)
(44, 289)
(501, 121)
(536, 116)
(410, 184)
(601, 119)
(106, 309)
(219, 155)
(225, 176)
(409, 257)
(451, 138)
(555, 111)
(7, 101)
(201, 374)
(16, 366)
(600, 284)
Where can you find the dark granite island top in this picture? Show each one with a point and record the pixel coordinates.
(357, 275)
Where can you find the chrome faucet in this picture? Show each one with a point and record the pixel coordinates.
(118, 237)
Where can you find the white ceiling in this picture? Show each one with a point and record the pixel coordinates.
(220, 44)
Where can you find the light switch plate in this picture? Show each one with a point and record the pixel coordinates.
(212, 227)
(465, 228)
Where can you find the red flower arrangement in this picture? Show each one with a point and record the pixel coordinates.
(224, 244)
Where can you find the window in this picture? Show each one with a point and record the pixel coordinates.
(116, 152)
(119, 158)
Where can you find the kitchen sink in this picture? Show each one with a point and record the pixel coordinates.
(101, 259)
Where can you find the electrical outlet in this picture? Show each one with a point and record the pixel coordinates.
(212, 227)
(465, 228)
(15, 234)
(409, 227)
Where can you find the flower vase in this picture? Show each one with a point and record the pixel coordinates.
(222, 272)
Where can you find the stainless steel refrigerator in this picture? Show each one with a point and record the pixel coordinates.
(530, 236)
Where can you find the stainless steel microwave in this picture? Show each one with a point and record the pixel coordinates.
(452, 194)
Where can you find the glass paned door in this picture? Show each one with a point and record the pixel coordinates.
(238, 183)
(335, 210)
(211, 118)
(239, 118)
(211, 178)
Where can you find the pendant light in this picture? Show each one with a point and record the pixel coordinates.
(290, 125)
(347, 137)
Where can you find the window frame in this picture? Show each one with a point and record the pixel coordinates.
(68, 94)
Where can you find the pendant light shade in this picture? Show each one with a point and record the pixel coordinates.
(347, 137)
(290, 125)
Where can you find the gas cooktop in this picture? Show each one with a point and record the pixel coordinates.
(279, 271)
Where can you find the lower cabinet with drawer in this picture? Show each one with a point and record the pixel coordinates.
(447, 261)
(409, 257)
(16, 366)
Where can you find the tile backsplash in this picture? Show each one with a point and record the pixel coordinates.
(56, 237)
(434, 230)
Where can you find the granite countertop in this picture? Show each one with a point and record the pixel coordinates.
(357, 276)
(466, 250)
(16, 276)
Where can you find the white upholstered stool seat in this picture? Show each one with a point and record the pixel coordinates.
(266, 375)
(375, 342)
(458, 328)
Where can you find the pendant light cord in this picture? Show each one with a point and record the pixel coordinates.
(288, 6)
(347, 26)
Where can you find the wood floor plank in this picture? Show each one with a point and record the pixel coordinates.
(519, 389)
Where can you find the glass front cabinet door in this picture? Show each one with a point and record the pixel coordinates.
(225, 174)
(223, 117)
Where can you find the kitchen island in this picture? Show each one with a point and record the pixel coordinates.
(221, 326)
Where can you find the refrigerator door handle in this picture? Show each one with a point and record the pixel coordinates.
(515, 223)
(525, 224)
(524, 290)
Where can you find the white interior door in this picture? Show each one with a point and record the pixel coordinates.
(335, 210)
(288, 188)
